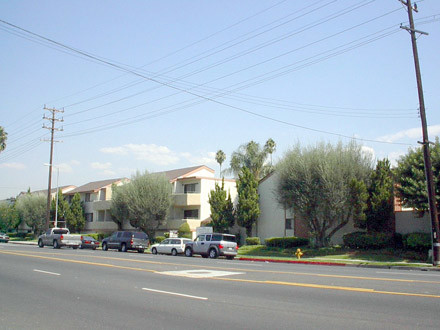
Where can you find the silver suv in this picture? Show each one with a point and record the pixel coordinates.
(213, 245)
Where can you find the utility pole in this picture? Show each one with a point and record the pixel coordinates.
(425, 143)
(52, 131)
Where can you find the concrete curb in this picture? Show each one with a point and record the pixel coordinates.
(319, 263)
(23, 242)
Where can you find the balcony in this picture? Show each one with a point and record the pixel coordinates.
(101, 205)
(192, 199)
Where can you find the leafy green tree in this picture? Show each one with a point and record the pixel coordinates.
(222, 209)
(9, 217)
(380, 198)
(63, 212)
(32, 210)
(119, 204)
(76, 221)
(248, 209)
(3, 138)
(325, 185)
(146, 201)
(220, 157)
(411, 180)
(252, 156)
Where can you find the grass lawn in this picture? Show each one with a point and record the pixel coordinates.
(338, 255)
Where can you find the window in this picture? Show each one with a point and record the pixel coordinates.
(87, 198)
(89, 217)
(189, 188)
(101, 216)
(103, 193)
(200, 238)
(208, 237)
(191, 214)
(167, 241)
(127, 234)
(289, 223)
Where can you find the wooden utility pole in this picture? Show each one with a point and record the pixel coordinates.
(52, 130)
(425, 143)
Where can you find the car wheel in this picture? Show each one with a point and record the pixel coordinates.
(124, 247)
(230, 257)
(104, 247)
(174, 252)
(55, 244)
(74, 247)
(154, 251)
(188, 252)
(141, 250)
(213, 253)
(40, 243)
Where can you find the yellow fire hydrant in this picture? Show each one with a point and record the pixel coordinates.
(299, 253)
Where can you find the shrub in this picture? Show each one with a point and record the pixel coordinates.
(159, 239)
(364, 241)
(253, 241)
(417, 241)
(184, 231)
(286, 242)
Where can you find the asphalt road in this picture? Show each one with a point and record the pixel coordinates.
(73, 289)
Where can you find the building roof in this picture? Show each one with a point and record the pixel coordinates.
(94, 186)
(52, 190)
(183, 172)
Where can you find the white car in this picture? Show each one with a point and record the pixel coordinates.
(172, 246)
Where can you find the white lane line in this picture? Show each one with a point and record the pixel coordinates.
(175, 294)
(44, 272)
(413, 274)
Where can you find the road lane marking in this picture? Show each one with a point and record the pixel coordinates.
(45, 272)
(242, 269)
(409, 273)
(199, 273)
(175, 294)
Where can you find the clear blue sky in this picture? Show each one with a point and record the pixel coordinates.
(187, 78)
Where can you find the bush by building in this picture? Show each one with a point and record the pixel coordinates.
(417, 241)
(253, 241)
(286, 242)
(365, 241)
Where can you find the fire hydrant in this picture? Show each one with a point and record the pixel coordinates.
(298, 253)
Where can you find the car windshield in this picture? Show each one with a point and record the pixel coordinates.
(60, 231)
(228, 238)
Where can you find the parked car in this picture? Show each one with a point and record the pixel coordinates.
(172, 246)
(58, 237)
(213, 245)
(4, 238)
(126, 240)
(88, 242)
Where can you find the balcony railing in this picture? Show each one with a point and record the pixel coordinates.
(101, 205)
(192, 199)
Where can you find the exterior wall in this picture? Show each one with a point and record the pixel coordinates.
(407, 222)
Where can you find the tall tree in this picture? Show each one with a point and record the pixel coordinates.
(3, 138)
(380, 198)
(62, 213)
(119, 204)
(146, 202)
(32, 210)
(9, 217)
(325, 185)
(76, 220)
(270, 148)
(252, 156)
(220, 157)
(222, 210)
(411, 180)
(248, 209)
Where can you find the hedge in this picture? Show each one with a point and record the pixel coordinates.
(286, 242)
(417, 241)
(365, 241)
(253, 241)
(184, 231)
(158, 239)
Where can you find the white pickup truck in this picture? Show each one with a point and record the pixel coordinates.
(58, 237)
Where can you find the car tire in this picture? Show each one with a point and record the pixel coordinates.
(188, 252)
(213, 254)
(154, 250)
(74, 247)
(55, 244)
(104, 247)
(174, 252)
(40, 243)
(124, 247)
(141, 250)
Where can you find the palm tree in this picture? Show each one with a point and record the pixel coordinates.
(252, 156)
(220, 157)
(270, 148)
(3, 138)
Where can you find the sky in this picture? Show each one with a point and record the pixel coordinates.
(159, 85)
